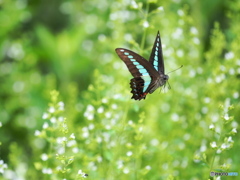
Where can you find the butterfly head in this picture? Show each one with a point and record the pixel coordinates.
(165, 77)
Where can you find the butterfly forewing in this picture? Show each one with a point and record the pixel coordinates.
(137, 65)
(156, 58)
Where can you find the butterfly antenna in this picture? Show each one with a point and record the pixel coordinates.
(173, 71)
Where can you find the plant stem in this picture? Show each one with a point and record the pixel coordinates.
(145, 29)
(213, 159)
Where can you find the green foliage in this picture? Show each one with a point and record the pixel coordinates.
(65, 108)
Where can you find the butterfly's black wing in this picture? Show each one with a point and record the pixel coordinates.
(143, 72)
(156, 58)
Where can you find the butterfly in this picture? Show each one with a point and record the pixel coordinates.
(148, 75)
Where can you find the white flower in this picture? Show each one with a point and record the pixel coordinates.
(126, 170)
(104, 100)
(15, 51)
(148, 167)
(220, 78)
(91, 126)
(234, 130)
(175, 117)
(192, 73)
(61, 105)
(106, 137)
(145, 24)
(72, 136)
(81, 173)
(180, 53)
(223, 146)
(211, 126)
(90, 117)
(213, 144)
(84, 129)
(45, 115)
(60, 119)
(89, 113)
(180, 12)
(229, 55)
(226, 117)
(60, 140)
(160, 8)
(51, 109)
(204, 110)
(47, 171)
(92, 166)
(85, 134)
(207, 99)
(71, 143)
(2, 166)
(119, 164)
(108, 126)
(194, 30)
(108, 114)
(236, 95)
(99, 159)
(99, 139)
(90, 107)
(37, 133)
(75, 150)
(129, 153)
(114, 106)
(230, 139)
(53, 120)
(219, 151)
(231, 71)
(44, 157)
(61, 150)
(130, 122)
(178, 33)
(134, 4)
(100, 110)
(45, 125)
(154, 142)
(203, 148)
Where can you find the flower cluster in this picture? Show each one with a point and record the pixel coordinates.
(63, 145)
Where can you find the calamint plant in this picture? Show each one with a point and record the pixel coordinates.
(60, 145)
(223, 129)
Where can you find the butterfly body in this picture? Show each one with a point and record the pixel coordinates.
(148, 75)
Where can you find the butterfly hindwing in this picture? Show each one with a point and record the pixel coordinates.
(156, 58)
(137, 85)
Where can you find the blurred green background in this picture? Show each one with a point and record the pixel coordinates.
(69, 46)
